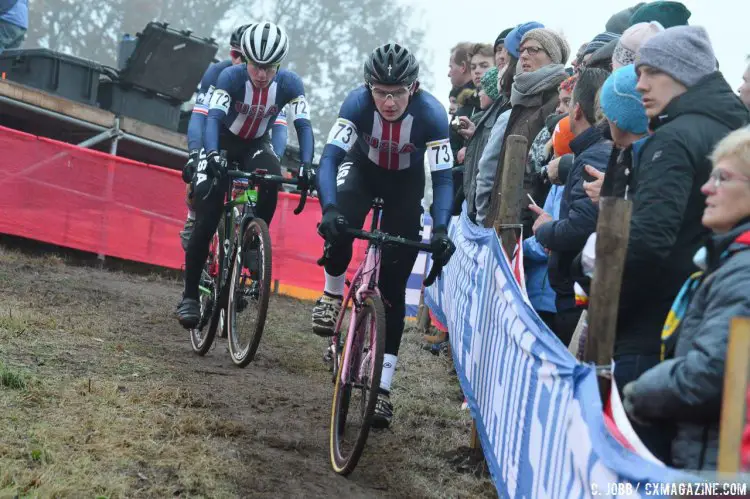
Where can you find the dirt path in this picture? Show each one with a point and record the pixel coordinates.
(101, 396)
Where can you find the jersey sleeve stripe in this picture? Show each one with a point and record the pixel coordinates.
(437, 142)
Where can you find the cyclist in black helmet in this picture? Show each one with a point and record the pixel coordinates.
(197, 124)
(377, 148)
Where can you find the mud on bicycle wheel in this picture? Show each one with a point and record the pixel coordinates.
(365, 368)
(249, 289)
(202, 337)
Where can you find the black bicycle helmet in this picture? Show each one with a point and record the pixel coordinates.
(391, 64)
(236, 40)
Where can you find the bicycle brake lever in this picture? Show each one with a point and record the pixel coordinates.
(303, 184)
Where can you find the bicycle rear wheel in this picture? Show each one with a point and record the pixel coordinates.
(249, 292)
(202, 337)
(362, 360)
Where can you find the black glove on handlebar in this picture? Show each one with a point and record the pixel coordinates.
(189, 169)
(304, 176)
(216, 166)
(442, 247)
(333, 225)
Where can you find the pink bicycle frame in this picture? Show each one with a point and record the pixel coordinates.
(369, 267)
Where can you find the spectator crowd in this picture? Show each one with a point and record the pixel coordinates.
(641, 112)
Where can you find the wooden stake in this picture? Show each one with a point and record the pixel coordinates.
(511, 193)
(612, 233)
(734, 400)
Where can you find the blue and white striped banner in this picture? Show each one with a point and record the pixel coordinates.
(537, 410)
(414, 284)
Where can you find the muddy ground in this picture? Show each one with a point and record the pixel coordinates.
(101, 396)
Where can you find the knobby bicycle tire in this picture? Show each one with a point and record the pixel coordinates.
(244, 355)
(210, 322)
(344, 465)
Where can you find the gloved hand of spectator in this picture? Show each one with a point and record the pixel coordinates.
(333, 224)
(442, 247)
(627, 403)
(189, 169)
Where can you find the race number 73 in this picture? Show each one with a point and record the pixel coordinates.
(343, 134)
(440, 155)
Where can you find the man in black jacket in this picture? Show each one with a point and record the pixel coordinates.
(690, 107)
(566, 237)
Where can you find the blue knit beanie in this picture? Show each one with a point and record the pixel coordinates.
(621, 102)
(513, 40)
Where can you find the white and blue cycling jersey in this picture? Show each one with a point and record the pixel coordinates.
(197, 123)
(248, 112)
(364, 134)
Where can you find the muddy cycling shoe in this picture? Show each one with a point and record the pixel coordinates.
(186, 232)
(325, 313)
(383, 414)
(189, 313)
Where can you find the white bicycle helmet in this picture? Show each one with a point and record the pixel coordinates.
(265, 43)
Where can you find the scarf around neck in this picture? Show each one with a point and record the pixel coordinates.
(526, 86)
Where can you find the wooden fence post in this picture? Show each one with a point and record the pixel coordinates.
(734, 400)
(511, 192)
(612, 233)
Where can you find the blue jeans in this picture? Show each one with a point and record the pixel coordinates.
(657, 436)
(11, 36)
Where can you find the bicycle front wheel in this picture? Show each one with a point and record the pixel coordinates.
(249, 292)
(357, 385)
(202, 336)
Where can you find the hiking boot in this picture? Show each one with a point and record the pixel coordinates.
(186, 232)
(383, 414)
(325, 313)
(189, 313)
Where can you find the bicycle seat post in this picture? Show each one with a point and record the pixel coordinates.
(377, 208)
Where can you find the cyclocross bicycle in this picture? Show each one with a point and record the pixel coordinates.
(358, 366)
(235, 282)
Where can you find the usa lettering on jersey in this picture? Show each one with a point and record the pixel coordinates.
(439, 155)
(343, 134)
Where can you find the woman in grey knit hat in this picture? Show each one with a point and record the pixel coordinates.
(539, 72)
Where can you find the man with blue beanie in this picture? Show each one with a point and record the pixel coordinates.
(621, 104)
(14, 21)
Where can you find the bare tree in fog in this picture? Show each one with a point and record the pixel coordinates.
(92, 28)
(330, 39)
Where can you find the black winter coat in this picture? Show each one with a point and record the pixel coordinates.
(670, 167)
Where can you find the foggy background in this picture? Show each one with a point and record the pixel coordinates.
(329, 39)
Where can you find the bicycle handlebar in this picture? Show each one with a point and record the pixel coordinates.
(304, 180)
(381, 238)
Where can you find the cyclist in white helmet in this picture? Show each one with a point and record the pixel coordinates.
(244, 105)
(199, 117)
